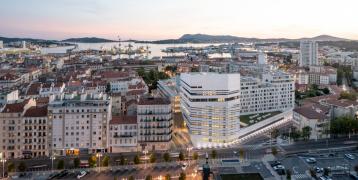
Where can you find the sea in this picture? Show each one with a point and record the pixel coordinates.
(155, 49)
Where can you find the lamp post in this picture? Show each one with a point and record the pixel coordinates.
(3, 167)
(98, 155)
(145, 158)
(52, 159)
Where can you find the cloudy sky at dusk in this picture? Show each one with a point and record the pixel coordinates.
(161, 19)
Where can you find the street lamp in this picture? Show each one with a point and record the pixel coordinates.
(99, 155)
(52, 159)
(145, 158)
(3, 167)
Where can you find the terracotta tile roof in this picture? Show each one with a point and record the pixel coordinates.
(34, 89)
(42, 100)
(341, 102)
(114, 74)
(15, 107)
(36, 111)
(9, 76)
(135, 92)
(123, 119)
(153, 101)
(312, 112)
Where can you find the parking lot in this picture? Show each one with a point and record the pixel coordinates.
(339, 164)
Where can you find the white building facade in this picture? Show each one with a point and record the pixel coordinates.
(308, 53)
(211, 107)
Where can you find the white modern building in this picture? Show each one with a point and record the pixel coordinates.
(274, 91)
(308, 53)
(212, 104)
(79, 123)
(211, 107)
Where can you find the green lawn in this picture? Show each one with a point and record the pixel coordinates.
(255, 118)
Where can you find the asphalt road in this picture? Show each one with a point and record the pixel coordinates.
(251, 151)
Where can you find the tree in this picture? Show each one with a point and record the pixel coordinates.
(274, 151)
(121, 159)
(61, 164)
(288, 174)
(306, 132)
(314, 87)
(92, 161)
(195, 156)
(168, 177)
(152, 158)
(182, 176)
(325, 90)
(275, 133)
(348, 95)
(181, 156)
(76, 162)
(21, 167)
(136, 159)
(213, 154)
(105, 161)
(148, 177)
(10, 167)
(166, 157)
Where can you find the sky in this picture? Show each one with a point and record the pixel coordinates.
(163, 19)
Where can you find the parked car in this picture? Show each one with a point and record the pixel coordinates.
(318, 169)
(279, 167)
(311, 160)
(350, 156)
(52, 176)
(63, 173)
(81, 174)
(275, 163)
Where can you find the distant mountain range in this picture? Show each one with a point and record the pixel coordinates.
(70, 40)
(204, 38)
(186, 38)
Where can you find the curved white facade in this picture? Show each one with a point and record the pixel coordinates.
(210, 105)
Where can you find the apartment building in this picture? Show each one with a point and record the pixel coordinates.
(274, 91)
(123, 134)
(308, 53)
(36, 132)
(315, 116)
(211, 107)
(155, 122)
(79, 123)
(12, 138)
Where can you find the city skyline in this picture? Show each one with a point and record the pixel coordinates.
(161, 19)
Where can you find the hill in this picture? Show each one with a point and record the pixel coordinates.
(204, 38)
(88, 40)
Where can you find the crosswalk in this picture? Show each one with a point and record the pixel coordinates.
(300, 176)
